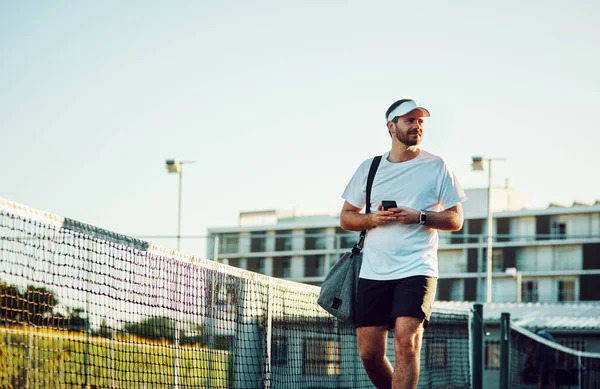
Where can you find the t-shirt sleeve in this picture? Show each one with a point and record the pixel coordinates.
(451, 191)
(355, 192)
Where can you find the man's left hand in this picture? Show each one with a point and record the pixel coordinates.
(405, 215)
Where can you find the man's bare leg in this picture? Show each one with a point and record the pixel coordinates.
(408, 336)
(372, 344)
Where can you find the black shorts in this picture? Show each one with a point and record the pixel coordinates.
(379, 303)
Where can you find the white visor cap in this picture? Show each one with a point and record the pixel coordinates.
(405, 108)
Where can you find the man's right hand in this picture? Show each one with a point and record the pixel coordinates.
(382, 217)
(352, 220)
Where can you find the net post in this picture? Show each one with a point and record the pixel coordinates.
(269, 335)
(176, 328)
(89, 258)
(504, 349)
(477, 352)
(211, 336)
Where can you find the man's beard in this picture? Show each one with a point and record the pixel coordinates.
(405, 138)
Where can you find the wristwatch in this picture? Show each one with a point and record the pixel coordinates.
(422, 218)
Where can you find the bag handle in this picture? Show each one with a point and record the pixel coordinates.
(374, 165)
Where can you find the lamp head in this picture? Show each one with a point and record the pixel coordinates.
(478, 163)
(173, 166)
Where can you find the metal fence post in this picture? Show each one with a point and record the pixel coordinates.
(504, 349)
(477, 352)
(480, 295)
(579, 371)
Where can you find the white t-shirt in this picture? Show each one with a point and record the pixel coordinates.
(396, 250)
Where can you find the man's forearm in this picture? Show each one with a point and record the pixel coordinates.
(448, 220)
(354, 221)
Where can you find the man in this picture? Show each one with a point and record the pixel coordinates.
(545, 361)
(398, 277)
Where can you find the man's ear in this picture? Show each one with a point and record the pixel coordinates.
(390, 127)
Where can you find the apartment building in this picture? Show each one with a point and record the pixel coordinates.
(538, 255)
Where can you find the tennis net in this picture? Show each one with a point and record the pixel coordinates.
(533, 358)
(85, 307)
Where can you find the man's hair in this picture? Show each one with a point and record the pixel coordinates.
(393, 107)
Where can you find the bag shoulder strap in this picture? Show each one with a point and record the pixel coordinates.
(374, 165)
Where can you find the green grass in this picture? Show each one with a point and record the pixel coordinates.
(56, 360)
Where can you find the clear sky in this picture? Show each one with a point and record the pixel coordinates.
(280, 101)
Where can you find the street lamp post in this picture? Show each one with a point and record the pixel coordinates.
(478, 166)
(174, 166)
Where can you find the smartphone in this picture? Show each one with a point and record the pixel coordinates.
(387, 204)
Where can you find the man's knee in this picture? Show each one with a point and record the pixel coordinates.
(372, 344)
(371, 354)
(407, 338)
(408, 342)
(406, 348)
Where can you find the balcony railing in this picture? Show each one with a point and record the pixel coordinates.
(259, 244)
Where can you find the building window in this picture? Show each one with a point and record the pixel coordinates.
(437, 354)
(282, 267)
(258, 242)
(559, 230)
(256, 265)
(287, 267)
(283, 240)
(321, 357)
(575, 344)
(314, 265)
(444, 289)
(279, 351)
(345, 239)
(542, 227)
(226, 294)
(503, 229)
(224, 298)
(229, 244)
(566, 290)
(475, 230)
(457, 237)
(530, 292)
(492, 355)
(315, 239)
(497, 259)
